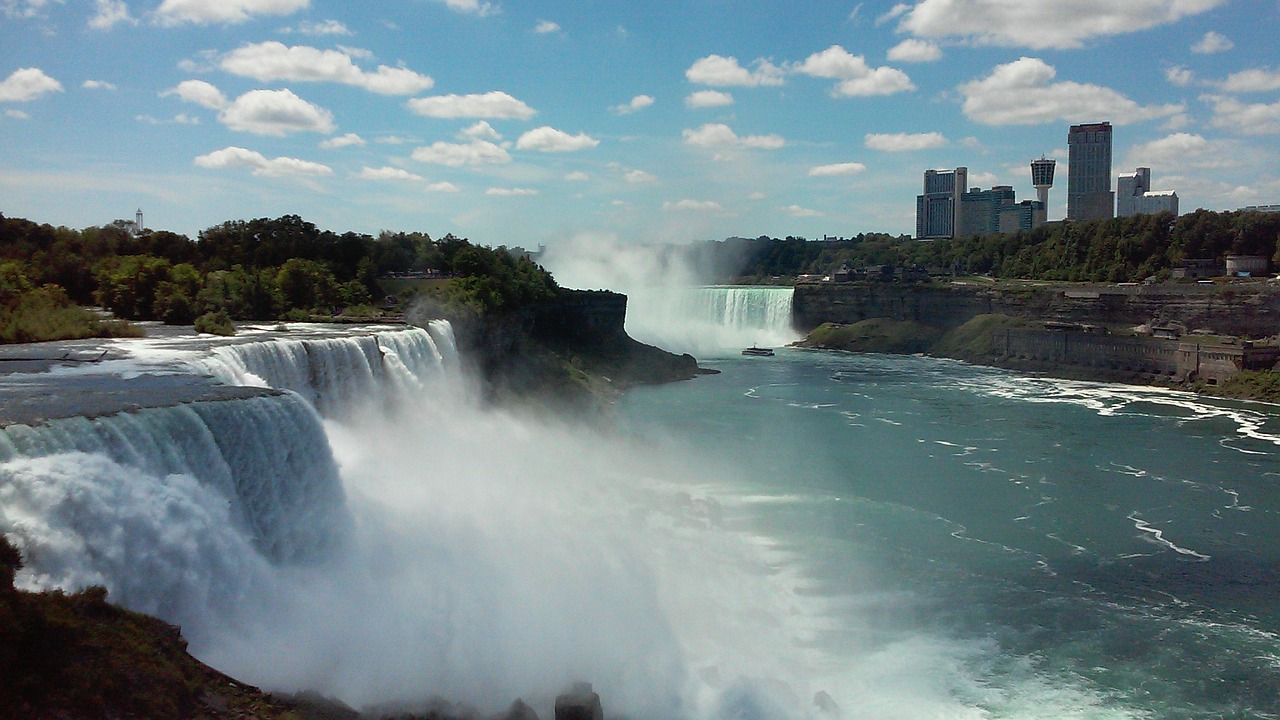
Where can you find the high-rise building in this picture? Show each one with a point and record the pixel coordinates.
(1134, 195)
(1089, 195)
(1042, 178)
(937, 210)
(980, 210)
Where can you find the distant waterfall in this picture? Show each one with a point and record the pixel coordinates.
(711, 321)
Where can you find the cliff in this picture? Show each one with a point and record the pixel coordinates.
(1248, 310)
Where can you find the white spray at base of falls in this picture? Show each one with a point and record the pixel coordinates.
(479, 555)
(711, 321)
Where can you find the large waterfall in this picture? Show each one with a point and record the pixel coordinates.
(370, 531)
(710, 321)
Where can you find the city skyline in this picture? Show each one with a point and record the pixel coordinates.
(532, 123)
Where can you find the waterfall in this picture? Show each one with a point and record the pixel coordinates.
(710, 321)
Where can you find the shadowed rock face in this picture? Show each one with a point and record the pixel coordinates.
(579, 703)
(39, 398)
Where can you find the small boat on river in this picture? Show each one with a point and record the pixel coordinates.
(758, 351)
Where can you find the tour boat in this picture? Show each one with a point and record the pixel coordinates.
(759, 351)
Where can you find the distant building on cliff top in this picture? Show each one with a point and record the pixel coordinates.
(1089, 195)
(937, 210)
(1134, 195)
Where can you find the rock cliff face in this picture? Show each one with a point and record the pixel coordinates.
(1250, 311)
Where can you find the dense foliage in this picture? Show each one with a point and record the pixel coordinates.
(1127, 249)
(253, 270)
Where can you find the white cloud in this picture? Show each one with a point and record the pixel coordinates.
(549, 139)
(1244, 118)
(16, 114)
(577, 176)
(342, 141)
(27, 84)
(915, 50)
(179, 119)
(494, 105)
(227, 12)
(473, 7)
(388, 173)
(23, 8)
(322, 28)
(716, 70)
(857, 79)
(109, 14)
(904, 142)
(97, 85)
(510, 192)
(797, 211)
(1022, 93)
(274, 61)
(445, 187)
(1181, 150)
(708, 99)
(546, 27)
(1252, 80)
(1040, 24)
(837, 169)
(275, 112)
(1211, 43)
(692, 205)
(637, 177)
(637, 103)
(720, 135)
(239, 158)
(480, 130)
(476, 152)
(1179, 76)
(199, 92)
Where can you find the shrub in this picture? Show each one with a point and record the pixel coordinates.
(216, 323)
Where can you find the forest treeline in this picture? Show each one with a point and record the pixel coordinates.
(1128, 249)
(263, 269)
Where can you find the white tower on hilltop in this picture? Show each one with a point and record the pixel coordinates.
(1042, 178)
(137, 223)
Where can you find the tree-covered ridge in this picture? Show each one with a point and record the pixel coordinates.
(1127, 249)
(259, 269)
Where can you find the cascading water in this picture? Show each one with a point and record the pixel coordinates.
(711, 321)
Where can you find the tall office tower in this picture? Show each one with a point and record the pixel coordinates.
(1042, 178)
(1089, 195)
(1130, 188)
(937, 210)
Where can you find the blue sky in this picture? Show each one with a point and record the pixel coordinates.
(522, 123)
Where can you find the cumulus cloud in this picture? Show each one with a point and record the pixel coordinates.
(233, 157)
(16, 114)
(797, 211)
(1211, 43)
(342, 141)
(637, 103)
(1023, 93)
(320, 29)
(549, 139)
(510, 192)
(904, 142)
(97, 85)
(476, 152)
(708, 99)
(1180, 150)
(837, 169)
(637, 177)
(492, 105)
(472, 7)
(274, 61)
(857, 78)
(1178, 76)
(445, 187)
(480, 130)
(1252, 80)
(27, 84)
(225, 12)
(692, 205)
(1244, 118)
(275, 112)
(388, 173)
(109, 13)
(915, 50)
(546, 27)
(720, 135)
(577, 176)
(1039, 24)
(23, 8)
(719, 71)
(199, 92)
